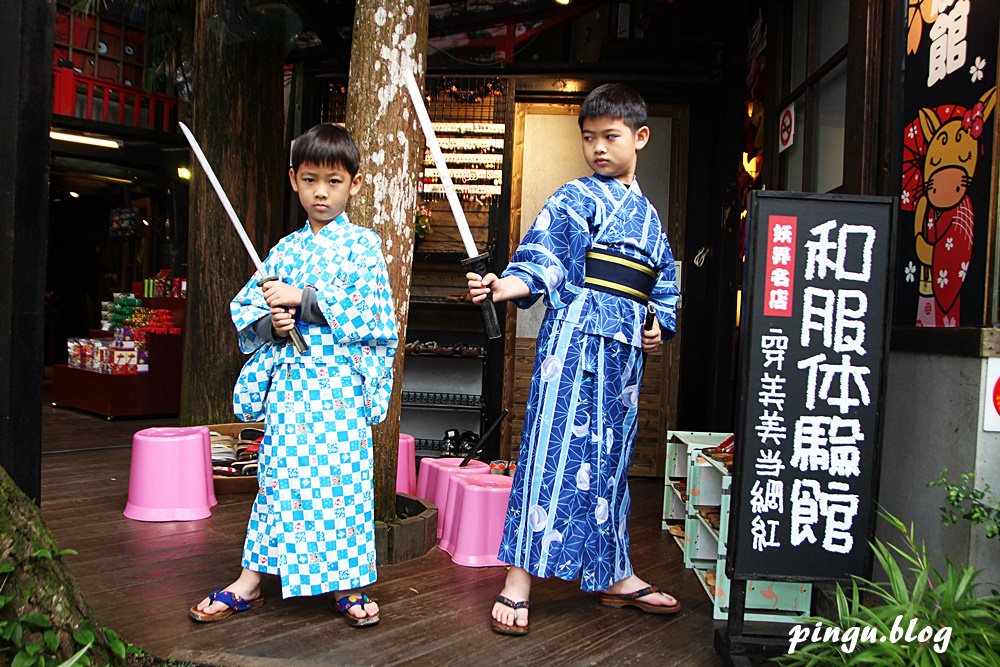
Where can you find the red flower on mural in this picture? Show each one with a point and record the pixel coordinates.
(972, 121)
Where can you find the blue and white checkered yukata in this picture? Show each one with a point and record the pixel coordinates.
(312, 522)
(569, 506)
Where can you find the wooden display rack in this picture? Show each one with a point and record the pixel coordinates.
(704, 547)
(157, 392)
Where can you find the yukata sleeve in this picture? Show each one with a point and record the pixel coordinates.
(359, 310)
(551, 257)
(665, 292)
(248, 306)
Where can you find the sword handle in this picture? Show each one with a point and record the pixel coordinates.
(647, 325)
(297, 339)
(490, 322)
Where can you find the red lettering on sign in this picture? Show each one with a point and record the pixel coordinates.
(779, 281)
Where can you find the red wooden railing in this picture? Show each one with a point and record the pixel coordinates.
(90, 98)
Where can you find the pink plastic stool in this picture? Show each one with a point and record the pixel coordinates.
(406, 466)
(448, 510)
(432, 483)
(171, 475)
(476, 526)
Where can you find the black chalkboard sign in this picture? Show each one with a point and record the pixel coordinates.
(813, 349)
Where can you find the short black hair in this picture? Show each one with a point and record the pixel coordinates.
(328, 145)
(614, 100)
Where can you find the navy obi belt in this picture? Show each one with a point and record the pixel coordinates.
(619, 274)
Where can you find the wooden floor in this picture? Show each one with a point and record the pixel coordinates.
(140, 579)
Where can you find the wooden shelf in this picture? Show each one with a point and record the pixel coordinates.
(427, 399)
(704, 547)
(157, 392)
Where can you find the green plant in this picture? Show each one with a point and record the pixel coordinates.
(32, 639)
(422, 222)
(977, 506)
(916, 617)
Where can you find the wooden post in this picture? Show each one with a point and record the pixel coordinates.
(26, 43)
(237, 117)
(389, 37)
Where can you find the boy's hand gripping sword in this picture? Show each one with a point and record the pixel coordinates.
(297, 340)
(476, 261)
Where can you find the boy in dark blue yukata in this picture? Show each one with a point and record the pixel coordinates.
(598, 257)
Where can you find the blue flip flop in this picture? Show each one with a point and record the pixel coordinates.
(235, 603)
(345, 603)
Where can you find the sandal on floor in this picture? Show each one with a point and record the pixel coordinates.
(515, 629)
(632, 600)
(235, 603)
(345, 603)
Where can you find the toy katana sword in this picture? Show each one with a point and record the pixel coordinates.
(476, 261)
(297, 340)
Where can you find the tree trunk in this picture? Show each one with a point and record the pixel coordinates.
(390, 36)
(237, 111)
(40, 584)
(25, 117)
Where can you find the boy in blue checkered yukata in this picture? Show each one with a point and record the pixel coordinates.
(312, 523)
(569, 505)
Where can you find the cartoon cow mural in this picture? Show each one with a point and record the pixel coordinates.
(944, 146)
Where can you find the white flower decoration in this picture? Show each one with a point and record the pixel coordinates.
(976, 71)
(949, 243)
(912, 132)
(548, 538)
(601, 511)
(963, 270)
(905, 197)
(942, 278)
(949, 321)
(537, 517)
(551, 368)
(543, 220)
(630, 396)
(583, 477)
(911, 272)
(553, 276)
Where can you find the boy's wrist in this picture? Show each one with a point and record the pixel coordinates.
(510, 287)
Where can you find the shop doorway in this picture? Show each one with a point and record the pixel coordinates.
(547, 153)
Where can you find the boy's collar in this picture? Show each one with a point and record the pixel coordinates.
(634, 187)
(341, 219)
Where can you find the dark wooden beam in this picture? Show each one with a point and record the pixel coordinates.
(26, 37)
(465, 21)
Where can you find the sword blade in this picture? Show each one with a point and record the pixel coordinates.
(432, 143)
(213, 179)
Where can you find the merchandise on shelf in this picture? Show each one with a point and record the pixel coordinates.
(163, 287)
(125, 353)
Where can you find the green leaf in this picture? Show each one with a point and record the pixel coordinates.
(23, 659)
(37, 619)
(117, 647)
(51, 640)
(33, 647)
(78, 658)
(43, 553)
(68, 552)
(83, 637)
(6, 567)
